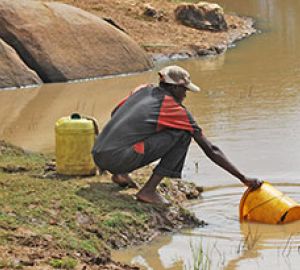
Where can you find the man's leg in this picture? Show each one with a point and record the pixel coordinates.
(171, 147)
(148, 193)
(119, 163)
(124, 180)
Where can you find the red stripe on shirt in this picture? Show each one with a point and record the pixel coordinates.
(172, 115)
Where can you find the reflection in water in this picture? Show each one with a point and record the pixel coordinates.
(34, 112)
(226, 242)
(249, 106)
(155, 257)
(11, 108)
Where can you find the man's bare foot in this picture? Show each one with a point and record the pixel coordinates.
(123, 180)
(152, 197)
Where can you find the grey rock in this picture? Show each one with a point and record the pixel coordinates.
(13, 71)
(203, 16)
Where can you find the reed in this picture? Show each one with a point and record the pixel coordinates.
(249, 242)
(200, 258)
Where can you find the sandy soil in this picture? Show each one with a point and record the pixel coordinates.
(163, 34)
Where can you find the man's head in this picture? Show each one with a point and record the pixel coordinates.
(178, 76)
(179, 81)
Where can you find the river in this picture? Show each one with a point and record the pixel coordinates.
(249, 106)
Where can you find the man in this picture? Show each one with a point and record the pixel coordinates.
(151, 124)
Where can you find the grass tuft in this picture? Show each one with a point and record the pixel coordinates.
(64, 263)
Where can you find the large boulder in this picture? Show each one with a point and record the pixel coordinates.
(13, 71)
(61, 42)
(203, 16)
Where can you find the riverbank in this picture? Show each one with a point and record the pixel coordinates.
(161, 36)
(48, 221)
(73, 43)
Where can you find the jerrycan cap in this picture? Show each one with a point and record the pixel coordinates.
(75, 116)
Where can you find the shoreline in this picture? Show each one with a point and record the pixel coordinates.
(162, 39)
(47, 219)
(194, 51)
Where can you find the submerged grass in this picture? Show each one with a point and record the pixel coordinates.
(201, 259)
(249, 242)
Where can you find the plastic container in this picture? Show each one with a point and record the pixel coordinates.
(75, 137)
(268, 205)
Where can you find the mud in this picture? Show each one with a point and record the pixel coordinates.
(22, 246)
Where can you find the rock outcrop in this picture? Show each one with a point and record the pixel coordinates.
(203, 16)
(13, 71)
(61, 42)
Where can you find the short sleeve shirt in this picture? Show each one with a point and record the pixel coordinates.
(146, 111)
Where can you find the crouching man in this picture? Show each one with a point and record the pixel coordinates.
(151, 124)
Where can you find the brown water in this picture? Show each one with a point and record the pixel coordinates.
(249, 106)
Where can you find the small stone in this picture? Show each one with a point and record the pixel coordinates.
(149, 11)
(53, 222)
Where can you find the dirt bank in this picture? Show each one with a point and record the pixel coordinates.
(162, 35)
(48, 222)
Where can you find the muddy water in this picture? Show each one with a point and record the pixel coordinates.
(225, 242)
(249, 106)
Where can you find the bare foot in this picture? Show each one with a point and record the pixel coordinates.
(123, 180)
(152, 197)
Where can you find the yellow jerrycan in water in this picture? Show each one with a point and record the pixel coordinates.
(74, 137)
(268, 205)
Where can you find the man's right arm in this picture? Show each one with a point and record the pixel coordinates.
(217, 156)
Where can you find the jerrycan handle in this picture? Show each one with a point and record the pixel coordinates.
(75, 116)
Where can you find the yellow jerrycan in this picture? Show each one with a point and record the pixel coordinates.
(74, 137)
(268, 205)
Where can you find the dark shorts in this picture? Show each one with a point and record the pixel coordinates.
(170, 146)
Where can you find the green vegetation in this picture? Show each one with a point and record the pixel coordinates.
(68, 221)
(249, 242)
(78, 215)
(15, 159)
(8, 264)
(201, 259)
(64, 263)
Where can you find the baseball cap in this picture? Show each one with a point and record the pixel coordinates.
(178, 76)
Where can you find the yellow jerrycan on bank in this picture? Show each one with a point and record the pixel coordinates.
(74, 137)
(268, 205)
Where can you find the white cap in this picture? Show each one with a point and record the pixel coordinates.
(178, 76)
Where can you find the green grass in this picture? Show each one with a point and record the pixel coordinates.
(64, 209)
(201, 259)
(79, 214)
(8, 264)
(64, 263)
(68, 218)
(16, 159)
